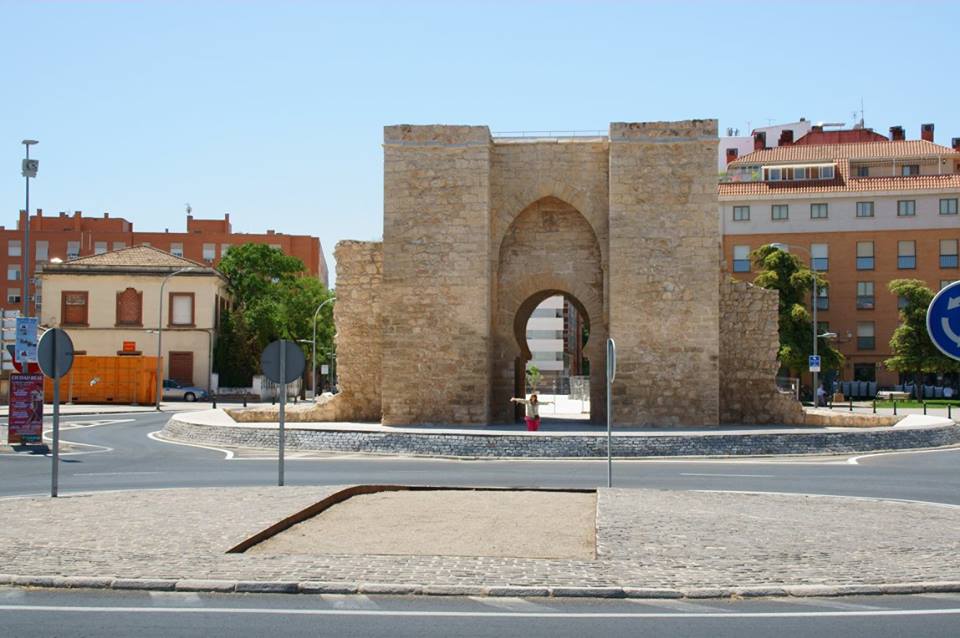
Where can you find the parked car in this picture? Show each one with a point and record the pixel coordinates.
(173, 390)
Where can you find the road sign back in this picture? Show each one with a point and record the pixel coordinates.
(943, 320)
(55, 353)
(270, 362)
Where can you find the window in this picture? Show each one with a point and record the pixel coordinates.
(741, 259)
(823, 298)
(946, 282)
(800, 173)
(865, 336)
(864, 255)
(146, 243)
(826, 172)
(865, 298)
(73, 308)
(741, 213)
(13, 248)
(209, 252)
(43, 250)
(902, 302)
(818, 211)
(13, 272)
(130, 308)
(181, 309)
(865, 372)
(906, 255)
(779, 212)
(545, 334)
(774, 174)
(13, 295)
(823, 327)
(820, 256)
(224, 248)
(176, 249)
(99, 247)
(864, 209)
(119, 245)
(908, 170)
(73, 249)
(948, 253)
(863, 171)
(948, 206)
(906, 208)
(276, 246)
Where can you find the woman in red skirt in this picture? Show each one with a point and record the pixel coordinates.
(533, 411)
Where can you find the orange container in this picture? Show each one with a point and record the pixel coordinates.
(111, 379)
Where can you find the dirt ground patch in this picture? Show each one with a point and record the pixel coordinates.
(510, 524)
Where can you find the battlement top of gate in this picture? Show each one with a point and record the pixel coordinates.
(679, 131)
(435, 135)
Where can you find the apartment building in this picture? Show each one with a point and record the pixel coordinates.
(71, 236)
(866, 208)
(555, 339)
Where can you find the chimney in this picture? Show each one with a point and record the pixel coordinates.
(955, 143)
(106, 215)
(732, 154)
(786, 137)
(759, 141)
(926, 132)
(896, 134)
(39, 212)
(816, 129)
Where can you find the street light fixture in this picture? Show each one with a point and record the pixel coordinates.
(28, 169)
(786, 248)
(313, 362)
(160, 333)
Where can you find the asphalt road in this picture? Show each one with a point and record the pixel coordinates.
(114, 452)
(160, 614)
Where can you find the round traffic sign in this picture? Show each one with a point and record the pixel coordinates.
(943, 320)
(294, 361)
(55, 353)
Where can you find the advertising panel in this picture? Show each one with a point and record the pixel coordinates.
(26, 409)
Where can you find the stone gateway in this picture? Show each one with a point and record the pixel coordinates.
(479, 230)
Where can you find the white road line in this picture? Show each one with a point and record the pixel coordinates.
(174, 597)
(829, 604)
(113, 473)
(510, 603)
(728, 475)
(681, 606)
(873, 499)
(855, 460)
(940, 595)
(472, 614)
(153, 436)
(349, 601)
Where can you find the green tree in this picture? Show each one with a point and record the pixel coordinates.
(272, 297)
(913, 351)
(533, 378)
(785, 273)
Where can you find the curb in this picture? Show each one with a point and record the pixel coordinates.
(516, 591)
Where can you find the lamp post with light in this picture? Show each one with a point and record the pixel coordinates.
(28, 169)
(160, 333)
(313, 363)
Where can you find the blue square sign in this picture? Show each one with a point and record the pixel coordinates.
(814, 363)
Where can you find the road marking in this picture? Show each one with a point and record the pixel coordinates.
(113, 473)
(474, 614)
(681, 606)
(940, 595)
(873, 499)
(510, 603)
(349, 601)
(855, 460)
(154, 436)
(829, 604)
(728, 475)
(174, 597)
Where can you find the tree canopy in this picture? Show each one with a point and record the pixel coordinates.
(781, 271)
(913, 351)
(271, 297)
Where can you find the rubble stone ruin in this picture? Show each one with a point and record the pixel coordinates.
(479, 230)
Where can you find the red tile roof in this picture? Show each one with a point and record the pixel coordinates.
(856, 151)
(843, 184)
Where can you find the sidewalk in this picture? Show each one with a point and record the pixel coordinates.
(74, 409)
(649, 543)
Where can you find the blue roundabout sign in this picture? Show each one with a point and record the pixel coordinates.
(943, 320)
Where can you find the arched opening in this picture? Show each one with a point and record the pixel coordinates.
(552, 329)
(548, 251)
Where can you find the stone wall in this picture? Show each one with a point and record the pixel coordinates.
(664, 272)
(749, 342)
(437, 280)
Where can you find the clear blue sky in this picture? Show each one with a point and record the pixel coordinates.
(273, 111)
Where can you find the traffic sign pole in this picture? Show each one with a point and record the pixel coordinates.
(283, 403)
(611, 374)
(55, 473)
(55, 357)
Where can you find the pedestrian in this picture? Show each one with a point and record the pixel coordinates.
(533, 411)
(821, 397)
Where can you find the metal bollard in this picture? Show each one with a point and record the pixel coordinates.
(851, 405)
(214, 397)
(244, 399)
(924, 408)
(949, 416)
(894, 407)
(874, 406)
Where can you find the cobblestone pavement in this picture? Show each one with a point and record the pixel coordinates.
(649, 542)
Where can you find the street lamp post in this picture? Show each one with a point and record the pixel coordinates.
(29, 170)
(313, 361)
(813, 268)
(160, 333)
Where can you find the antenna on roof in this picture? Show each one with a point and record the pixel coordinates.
(189, 208)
